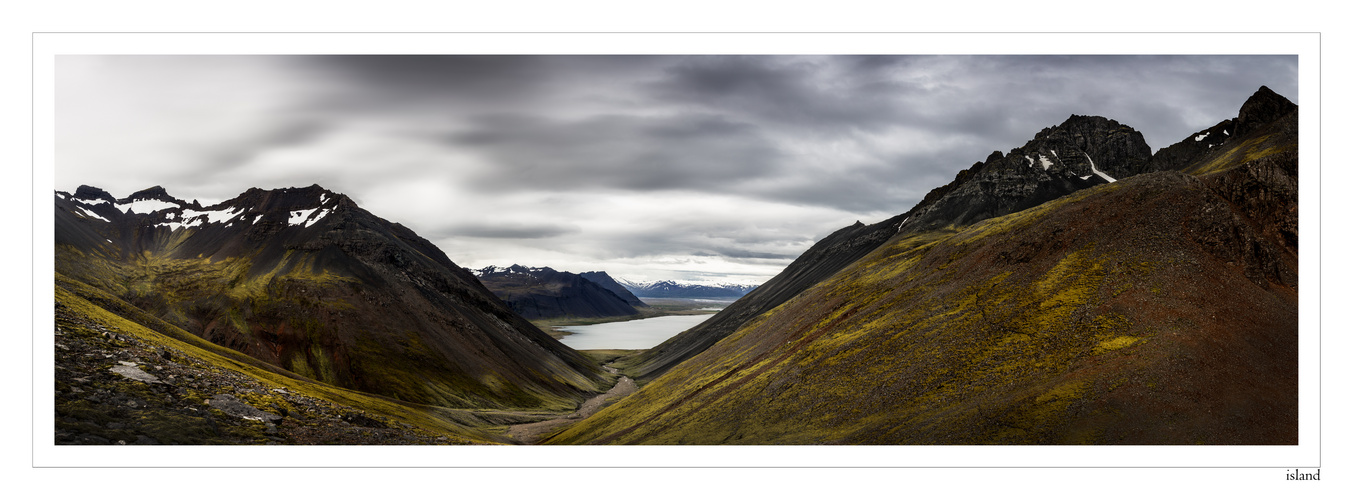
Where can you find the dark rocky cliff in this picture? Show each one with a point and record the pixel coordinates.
(1081, 152)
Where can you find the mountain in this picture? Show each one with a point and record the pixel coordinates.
(669, 289)
(609, 283)
(1155, 303)
(541, 292)
(304, 280)
(1058, 161)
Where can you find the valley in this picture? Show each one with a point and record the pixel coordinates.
(1077, 289)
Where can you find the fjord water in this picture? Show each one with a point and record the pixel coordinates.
(635, 334)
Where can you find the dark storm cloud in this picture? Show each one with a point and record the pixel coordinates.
(694, 151)
(721, 123)
(781, 90)
(401, 74)
(453, 84)
(1164, 97)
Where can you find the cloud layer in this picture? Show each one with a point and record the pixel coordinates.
(649, 167)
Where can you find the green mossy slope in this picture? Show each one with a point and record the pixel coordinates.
(1143, 311)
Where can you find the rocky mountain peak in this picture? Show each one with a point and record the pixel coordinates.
(1261, 110)
(1116, 149)
(152, 193)
(93, 194)
(1078, 153)
(1262, 107)
(290, 198)
(512, 269)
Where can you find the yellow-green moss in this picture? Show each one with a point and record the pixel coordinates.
(877, 319)
(1115, 343)
(1250, 150)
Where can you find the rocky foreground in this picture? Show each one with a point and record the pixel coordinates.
(113, 388)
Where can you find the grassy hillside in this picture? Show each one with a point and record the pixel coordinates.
(1151, 310)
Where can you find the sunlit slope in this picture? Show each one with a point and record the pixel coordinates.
(1158, 309)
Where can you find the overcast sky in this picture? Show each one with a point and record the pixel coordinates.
(715, 168)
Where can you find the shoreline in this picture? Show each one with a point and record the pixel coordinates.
(662, 307)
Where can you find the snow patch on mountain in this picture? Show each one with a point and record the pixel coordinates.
(1096, 171)
(512, 269)
(91, 215)
(145, 206)
(685, 288)
(194, 218)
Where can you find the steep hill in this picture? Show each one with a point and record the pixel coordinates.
(609, 283)
(541, 292)
(1160, 308)
(1059, 160)
(305, 280)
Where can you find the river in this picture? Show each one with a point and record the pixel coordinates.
(634, 334)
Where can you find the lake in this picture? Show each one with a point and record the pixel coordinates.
(635, 334)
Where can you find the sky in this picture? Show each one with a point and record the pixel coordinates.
(693, 168)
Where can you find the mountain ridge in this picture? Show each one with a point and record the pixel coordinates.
(1156, 308)
(305, 279)
(676, 289)
(1002, 184)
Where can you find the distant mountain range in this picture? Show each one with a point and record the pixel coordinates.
(673, 289)
(544, 293)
